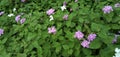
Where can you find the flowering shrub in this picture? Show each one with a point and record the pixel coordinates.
(59, 28)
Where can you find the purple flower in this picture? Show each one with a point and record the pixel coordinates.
(64, 4)
(76, 0)
(91, 37)
(1, 13)
(52, 30)
(117, 5)
(79, 35)
(22, 20)
(50, 11)
(115, 39)
(23, 0)
(1, 31)
(17, 18)
(107, 9)
(65, 17)
(85, 44)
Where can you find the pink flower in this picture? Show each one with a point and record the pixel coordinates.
(17, 18)
(85, 44)
(1, 31)
(50, 11)
(91, 37)
(22, 20)
(107, 9)
(1, 13)
(52, 30)
(65, 17)
(79, 35)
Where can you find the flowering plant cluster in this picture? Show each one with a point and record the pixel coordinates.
(59, 28)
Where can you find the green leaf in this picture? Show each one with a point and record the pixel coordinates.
(87, 51)
(21, 55)
(95, 44)
(96, 27)
(65, 47)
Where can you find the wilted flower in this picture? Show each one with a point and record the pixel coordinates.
(63, 8)
(79, 35)
(117, 5)
(91, 37)
(1, 31)
(1, 13)
(76, 0)
(107, 9)
(65, 17)
(51, 18)
(23, 0)
(17, 18)
(115, 39)
(85, 44)
(52, 30)
(10, 15)
(50, 11)
(22, 20)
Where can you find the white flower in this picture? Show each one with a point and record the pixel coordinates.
(117, 50)
(14, 9)
(10, 15)
(117, 54)
(63, 8)
(51, 18)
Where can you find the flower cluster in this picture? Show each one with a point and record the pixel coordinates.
(85, 43)
(52, 30)
(107, 9)
(117, 52)
(17, 19)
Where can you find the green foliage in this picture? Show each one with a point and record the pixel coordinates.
(32, 39)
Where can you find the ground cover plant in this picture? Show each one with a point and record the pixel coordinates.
(59, 28)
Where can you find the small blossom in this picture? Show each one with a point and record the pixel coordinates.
(76, 0)
(91, 37)
(107, 9)
(79, 35)
(65, 17)
(115, 39)
(52, 30)
(63, 8)
(117, 5)
(22, 20)
(1, 13)
(85, 44)
(10, 15)
(14, 9)
(64, 4)
(23, 0)
(51, 18)
(1, 31)
(50, 11)
(17, 18)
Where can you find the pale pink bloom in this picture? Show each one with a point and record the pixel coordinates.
(79, 35)
(65, 17)
(50, 11)
(91, 37)
(85, 44)
(17, 18)
(52, 30)
(1, 13)
(22, 20)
